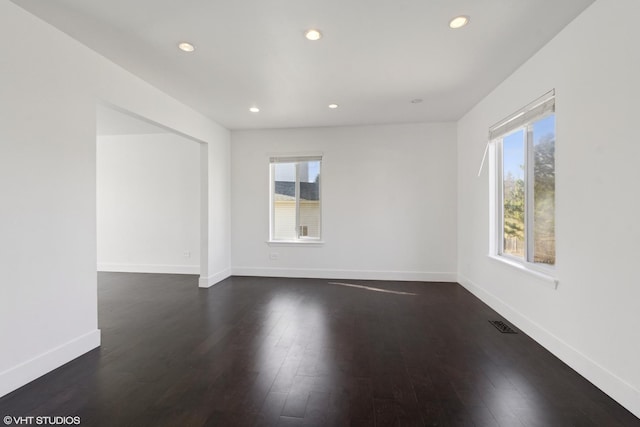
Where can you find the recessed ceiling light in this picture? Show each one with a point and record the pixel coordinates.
(313, 34)
(416, 101)
(458, 22)
(186, 47)
(254, 109)
(333, 106)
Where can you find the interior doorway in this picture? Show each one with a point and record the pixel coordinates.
(151, 216)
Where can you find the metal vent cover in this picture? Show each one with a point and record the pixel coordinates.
(502, 327)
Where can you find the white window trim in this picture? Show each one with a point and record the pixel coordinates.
(293, 157)
(547, 274)
(548, 279)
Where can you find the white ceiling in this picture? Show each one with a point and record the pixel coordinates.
(375, 56)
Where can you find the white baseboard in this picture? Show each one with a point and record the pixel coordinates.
(149, 268)
(22, 374)
(207, 282)
(410, 276)
(617, 388)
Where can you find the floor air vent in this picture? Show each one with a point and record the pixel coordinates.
(502, 327)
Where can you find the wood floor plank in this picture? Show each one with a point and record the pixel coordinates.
(304, 352)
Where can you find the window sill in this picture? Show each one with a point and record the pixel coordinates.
(547, 279)
(295, 242)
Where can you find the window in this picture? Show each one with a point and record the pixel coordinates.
(525, 184)
(295, 199)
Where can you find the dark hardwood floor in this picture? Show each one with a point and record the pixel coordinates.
(301, 352)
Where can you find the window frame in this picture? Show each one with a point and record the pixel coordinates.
(497, 213)
(296, 159)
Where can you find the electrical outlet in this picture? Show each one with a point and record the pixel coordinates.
(187, 254)
(273, 256)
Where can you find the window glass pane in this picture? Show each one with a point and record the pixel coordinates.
(310, 199)
(513, 149)
(284, 201)
(544, 140)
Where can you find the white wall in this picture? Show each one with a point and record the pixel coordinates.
(388, 202)
(591, 321)
(148, 203)
(50, 85)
